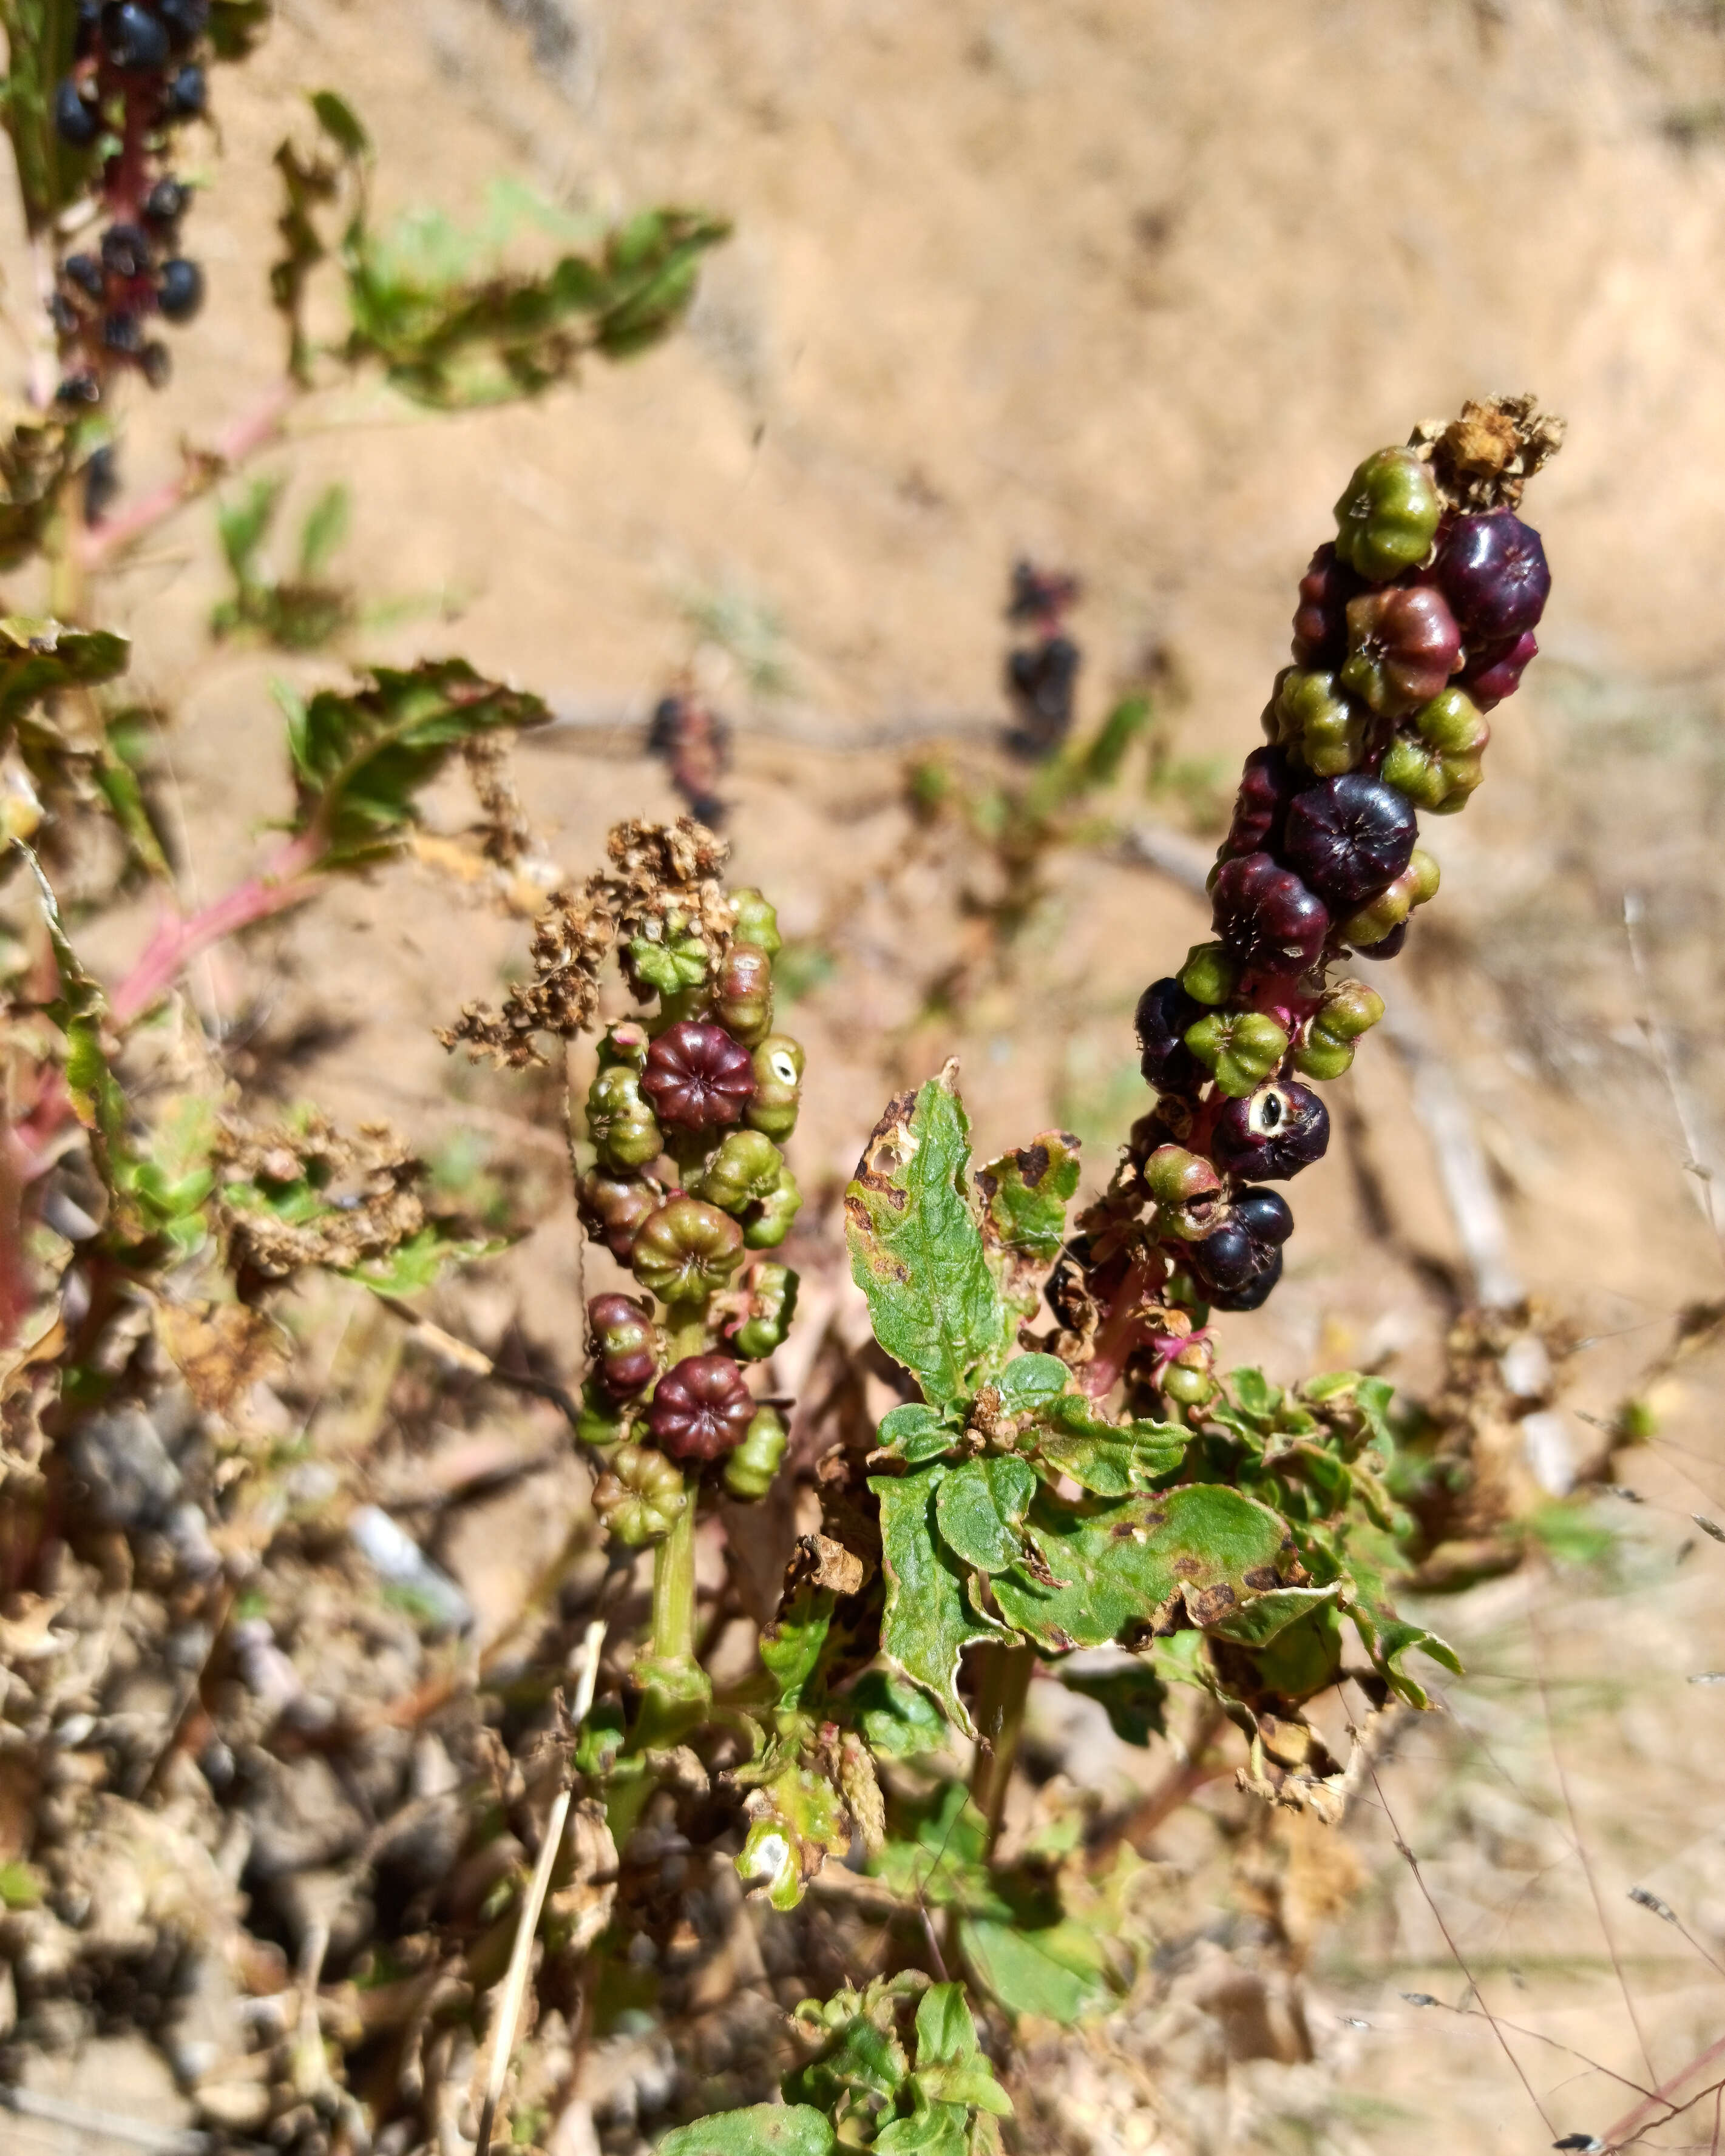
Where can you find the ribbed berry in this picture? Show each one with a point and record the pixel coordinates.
(626, 1341)
(1403, 645)
(1164, 1011)
(1272, 1134)
(1493, 571)
(1321, 619)
(701, 1408)
(137, 42)
(77, 120)
(697, 1077)
(1495, 672)
(1267, 917)
(1348, 838)
(180, 294)
(1266, 786)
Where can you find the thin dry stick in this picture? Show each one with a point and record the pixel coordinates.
(515, 1984)
(1694, 1163)
(1412, 1865)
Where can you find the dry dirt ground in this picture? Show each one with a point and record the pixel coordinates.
(1131, 288)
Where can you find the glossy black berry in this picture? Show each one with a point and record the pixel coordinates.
(101, 483)
(1256, 1291)
(1349, 837)
(180, 294)
(77, 120)
(121, 333)
(1164, 1011)
(79, 389)
(1265, 1215)
(136, 41)
(1270, 1134)
(1266, 786)
(126, 250)
(157, 362)
(1227, 1259)
(1493, 571)
(1267, 917)
(187, 94)
(165, 204)
(85, 272)
(185, 21)
(1390, 947)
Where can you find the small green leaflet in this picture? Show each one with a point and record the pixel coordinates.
(1109, 1459)
(1133, 1697)
(978, 1507)
(1388, 1638)
(36, 657)
(897, 1720)
(1126, 1563)
(422, 1261)
(1030, 1382)
(360, 759)
(928, 1620)
(1024, 1197)
(764, 2129)
(916, 1433)
(936, 2130)
(915, 1249)
(1056, 1971)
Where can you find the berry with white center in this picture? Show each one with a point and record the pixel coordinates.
(1267, 917)
(1272, 1134)
(1493, 571)
(1348, 838)
(778, 1086)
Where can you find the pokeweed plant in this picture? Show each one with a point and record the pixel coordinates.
(1098, 1486)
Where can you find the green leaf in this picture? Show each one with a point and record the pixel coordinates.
(1128, 1565)
(1256, 1623)
(928, 1620)
(242, 526)
(932, 2130)
(1111, 1459)
(978, 1507)
(898, 1721)
(39, 658)
(1387, 1638)
(915, 1249)
(970, 2082)
(1024, 1196)
(326, 527)
(1255, 1394)
(946, 2034)
(38, 452)
(340, 123)
(791, 1646)
(764, 2129)
(915, 1433)
(1056, 1971)
(422, 1261)
(360, 759)
(1029, 1382)
(1133, 1697)
(864, 2056)
(1105, 754)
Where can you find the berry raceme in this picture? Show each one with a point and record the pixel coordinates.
(137, 74)
(1414, 621)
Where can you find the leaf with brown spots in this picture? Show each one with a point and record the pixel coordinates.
(1025, 1198)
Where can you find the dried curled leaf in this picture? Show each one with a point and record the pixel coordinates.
(663, 879)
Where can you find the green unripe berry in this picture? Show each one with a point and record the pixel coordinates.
(1387, 515)
(1187, 1189)
(750, 1470)
(603, 1420)
(778, 1086)
(772, 1304)
(1321, 722)
(742, 1172)
(756, 922)
(620, 1120)
(685, 1250)
(1209, 973)
(766, 1230)
(1452, 724)
(1464, 775)
(1417, 882)
(1187, 1387)
(1433, 781)
(673, 961)
(1240, 1049)
(1422, 867)
(640, 1496)
(625, 1043)
(742, 994)
(1348, 1010)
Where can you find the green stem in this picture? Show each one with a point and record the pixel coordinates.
(1000, 1716)
(674, 1591)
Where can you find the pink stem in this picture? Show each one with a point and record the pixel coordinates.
(250, 434)
(1117, 1335)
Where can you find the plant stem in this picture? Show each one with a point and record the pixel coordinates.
(201, 470)
(1000, 1715)
(674, 1591)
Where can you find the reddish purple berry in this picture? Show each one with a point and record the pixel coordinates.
(701, 1408)
(1403, 645)
(1272, 1134)
(1321, 619)
(1164, 1011)
(1493, 571)
(1267, 916)
(697, 1077)
(626, 1341)
(1266, 786)
(1495, 672)
(1349, 838)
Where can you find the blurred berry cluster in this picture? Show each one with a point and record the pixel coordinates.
(686, 1115)
(1042, 675)
(1413, 624)
(138, 73)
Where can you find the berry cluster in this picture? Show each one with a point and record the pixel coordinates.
(687, 1114)
(1412, 624)
(137, 73)
(1042, 676)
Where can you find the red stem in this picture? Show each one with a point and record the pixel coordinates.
(1118, 1333)
(252, 432)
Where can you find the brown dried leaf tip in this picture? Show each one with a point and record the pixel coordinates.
(661, 874)
(1485, 458)
(366, 1204)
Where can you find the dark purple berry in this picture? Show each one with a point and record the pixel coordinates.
(136, 41)
(165, 204)
(1164, 1011)
(1389, 947)
(1267, 916)
(121, 333)
(1493, 571)
(1265, 1215)
(1272, 1134)
(185, 21)
(1321, 619)
(1227, 1259)
(1266, 786)
(1496, 670)
(126, 250)
(180, 294)
(701, 1408)
(1349, 837)
(1042, 679)
(85, 272)
(79, 389)
(157, 362)
(187, 94)
(1256, 1291)
(101, 483)
(77, 119)
(698, 1077)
